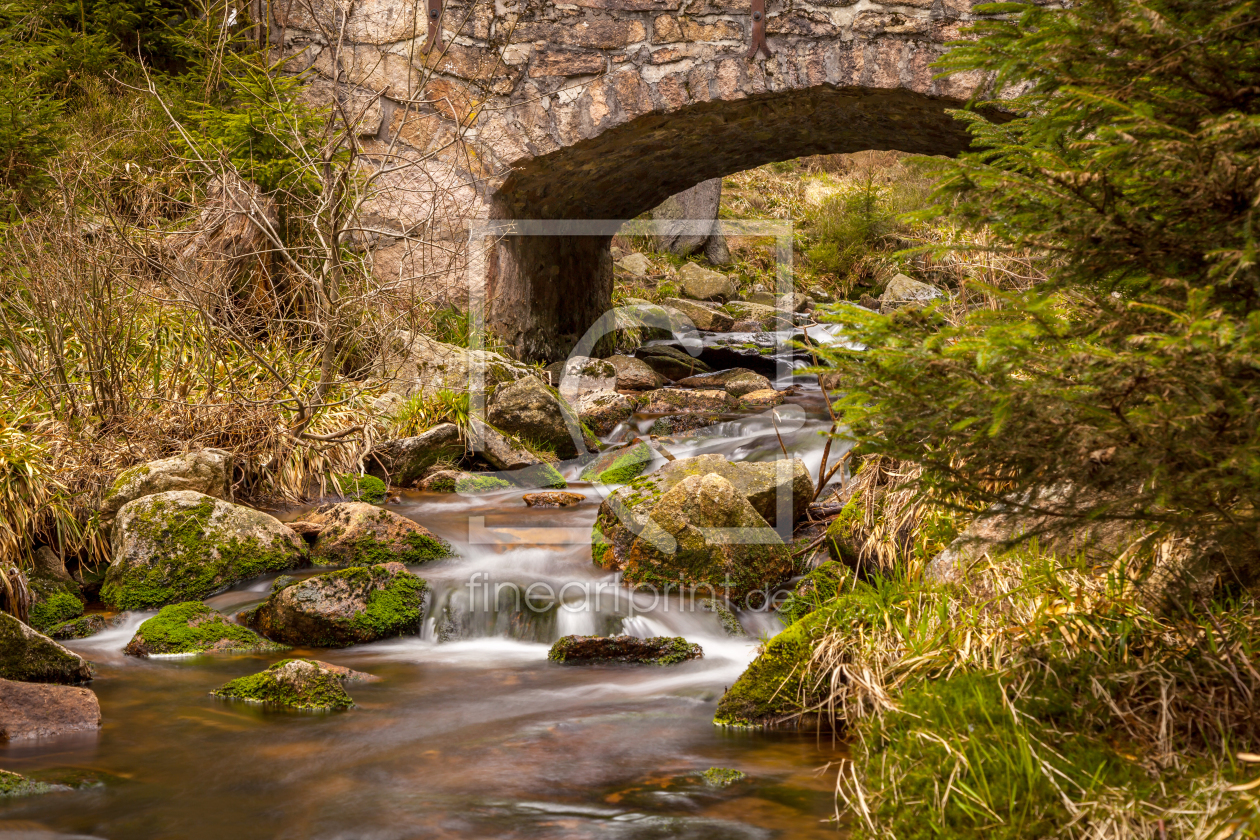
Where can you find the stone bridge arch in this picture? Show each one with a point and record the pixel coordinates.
(601, 109)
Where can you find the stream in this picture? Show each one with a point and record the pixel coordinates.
(470, 732)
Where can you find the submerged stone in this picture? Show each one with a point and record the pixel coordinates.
(12, 784)
(30, 656)
(359, 534)
(342, 608)
(194, 627)
(291, 683)
(721, 777)
(593, 650)
(185, 546)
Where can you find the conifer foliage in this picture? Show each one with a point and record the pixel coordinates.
(1129, 381)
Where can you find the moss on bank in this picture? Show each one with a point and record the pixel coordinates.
(815, 589)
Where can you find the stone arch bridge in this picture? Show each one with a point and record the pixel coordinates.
(601, 109)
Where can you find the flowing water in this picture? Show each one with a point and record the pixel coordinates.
(470, 732)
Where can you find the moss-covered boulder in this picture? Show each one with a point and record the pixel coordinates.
(595, 650)
(358, 534)
(619, 466)
(735, 381)
(404, 461)
(769, 692)
(813, 590)
(194, 628)
(83, 627)
(185, 546)
(703, 535)
(30, 656)
(533, 411)
(207, 471)
(291, 683)
(841, 532)
(342, 608)
(726, 618)
(53, 602)
(626, 512)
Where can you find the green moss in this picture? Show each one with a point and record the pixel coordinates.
(194, 628)
(543, 476)
(58, 607)
(769, 689)
(363, 488)
(127, 476)
(814, 590)
(730, 624)
(11, 784)
(840, 532)
(421, 548)
(444, 484)
(192, 567)
(721, 777)
(480, 484)
(394, 609)
(627, 466)
(311, 688)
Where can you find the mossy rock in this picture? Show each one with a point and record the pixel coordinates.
(619, 466)
(813, 590)
(345, 607)
(474, 483)
(594, 650)
(12, 784)
(207, 471)
(721, 777)
(728, 620)
(82, 627)
(194, 628)
(768, 693)
(531, 410)
(362, 488)
(53, 603)
(185, 546)
(359, 534)
(291, 683)
(841, 543)
(29, 656)
(541, 476)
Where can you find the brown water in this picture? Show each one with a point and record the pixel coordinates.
(475, 737)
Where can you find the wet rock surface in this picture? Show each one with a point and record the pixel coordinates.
(735, 381)
(33, 710)
(292, 683)
(30, 656)
(346, 607)
(670, 362)
(596, 650)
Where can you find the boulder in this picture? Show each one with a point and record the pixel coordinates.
(760, 297)
(291, 683)
(699, 283)
(361, 488)
(677, 424)
(602, 411)
(46, 563)
(619, 465)
(359, 534)
(29, 656)
(700, 203)
(670, 362)
(83, 627)
(346, 607)
(764, 398)
(30, 710)
(405, 460)
(626, 512)
(418, 363)
(634, 374)
(904, 291)
(709, 320)
(522, 467)
(553, 499)
(208, 471)
(701, 534)
(735, 381)
(186, 546)
(635, 264)
(595, 650)
(531, 410)
(674, 400)
(581, 375)
(755, 316)
(193, 627)
(456, 481)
